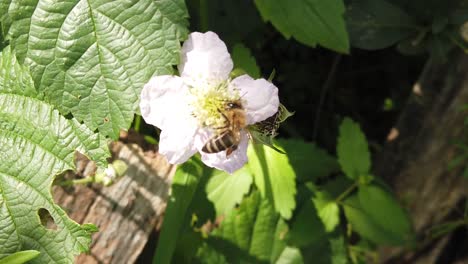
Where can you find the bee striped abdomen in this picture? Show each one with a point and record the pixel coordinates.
(220, 142)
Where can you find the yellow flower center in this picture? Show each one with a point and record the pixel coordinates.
(209, 101)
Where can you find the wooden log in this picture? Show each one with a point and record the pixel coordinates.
(126, 212)
(419, 149)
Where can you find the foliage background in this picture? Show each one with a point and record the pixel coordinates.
(83, 64)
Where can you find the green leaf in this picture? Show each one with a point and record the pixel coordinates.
(188, 243)
(353, 152)
(332, 189)
(339, 250)
(92, 58)
(364, 225)
(329, 213)
(308, 232)
(37, 143)
(253, 233)
(377, 24)
(20, 257)
(382, 207)
(201, 208)
(308, 161)
(290, 255)
(306, 227)
(308, 21)
(244, 60)
(331, 250)
(184, 185)
(375, 215)
(207, 254)
(225, 190)
(235, 21)
(274, 177)
(324, 200)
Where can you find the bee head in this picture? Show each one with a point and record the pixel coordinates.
(233, 105)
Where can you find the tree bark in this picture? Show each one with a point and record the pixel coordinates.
(126, 212)
(416, 156)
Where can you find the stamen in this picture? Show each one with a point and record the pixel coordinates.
(209, 100)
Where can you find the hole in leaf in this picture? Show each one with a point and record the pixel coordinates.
(46, 219)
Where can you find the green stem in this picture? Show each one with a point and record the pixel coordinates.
(346, 192)
(77, 181)
(204, 15)
(137, 125)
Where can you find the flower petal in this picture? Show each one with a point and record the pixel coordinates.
(177, 143)
(230, 164)
(260, 97)
(164, 100)
(205, 57)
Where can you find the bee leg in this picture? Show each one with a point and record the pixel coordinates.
(219, 128)
(224, 116)
(230, 150)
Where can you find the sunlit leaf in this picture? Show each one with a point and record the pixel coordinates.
(353, 152)
(225, 190)
(253, 233)
(329, 213)
(20, 257)
(310, 22)
(244, 60)
(37, 143)
(209, 255)
(290, 255)
(274, 177)
(92, 58)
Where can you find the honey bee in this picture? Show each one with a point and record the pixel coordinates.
(228, 137)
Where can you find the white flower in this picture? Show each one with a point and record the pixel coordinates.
(188, 108)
